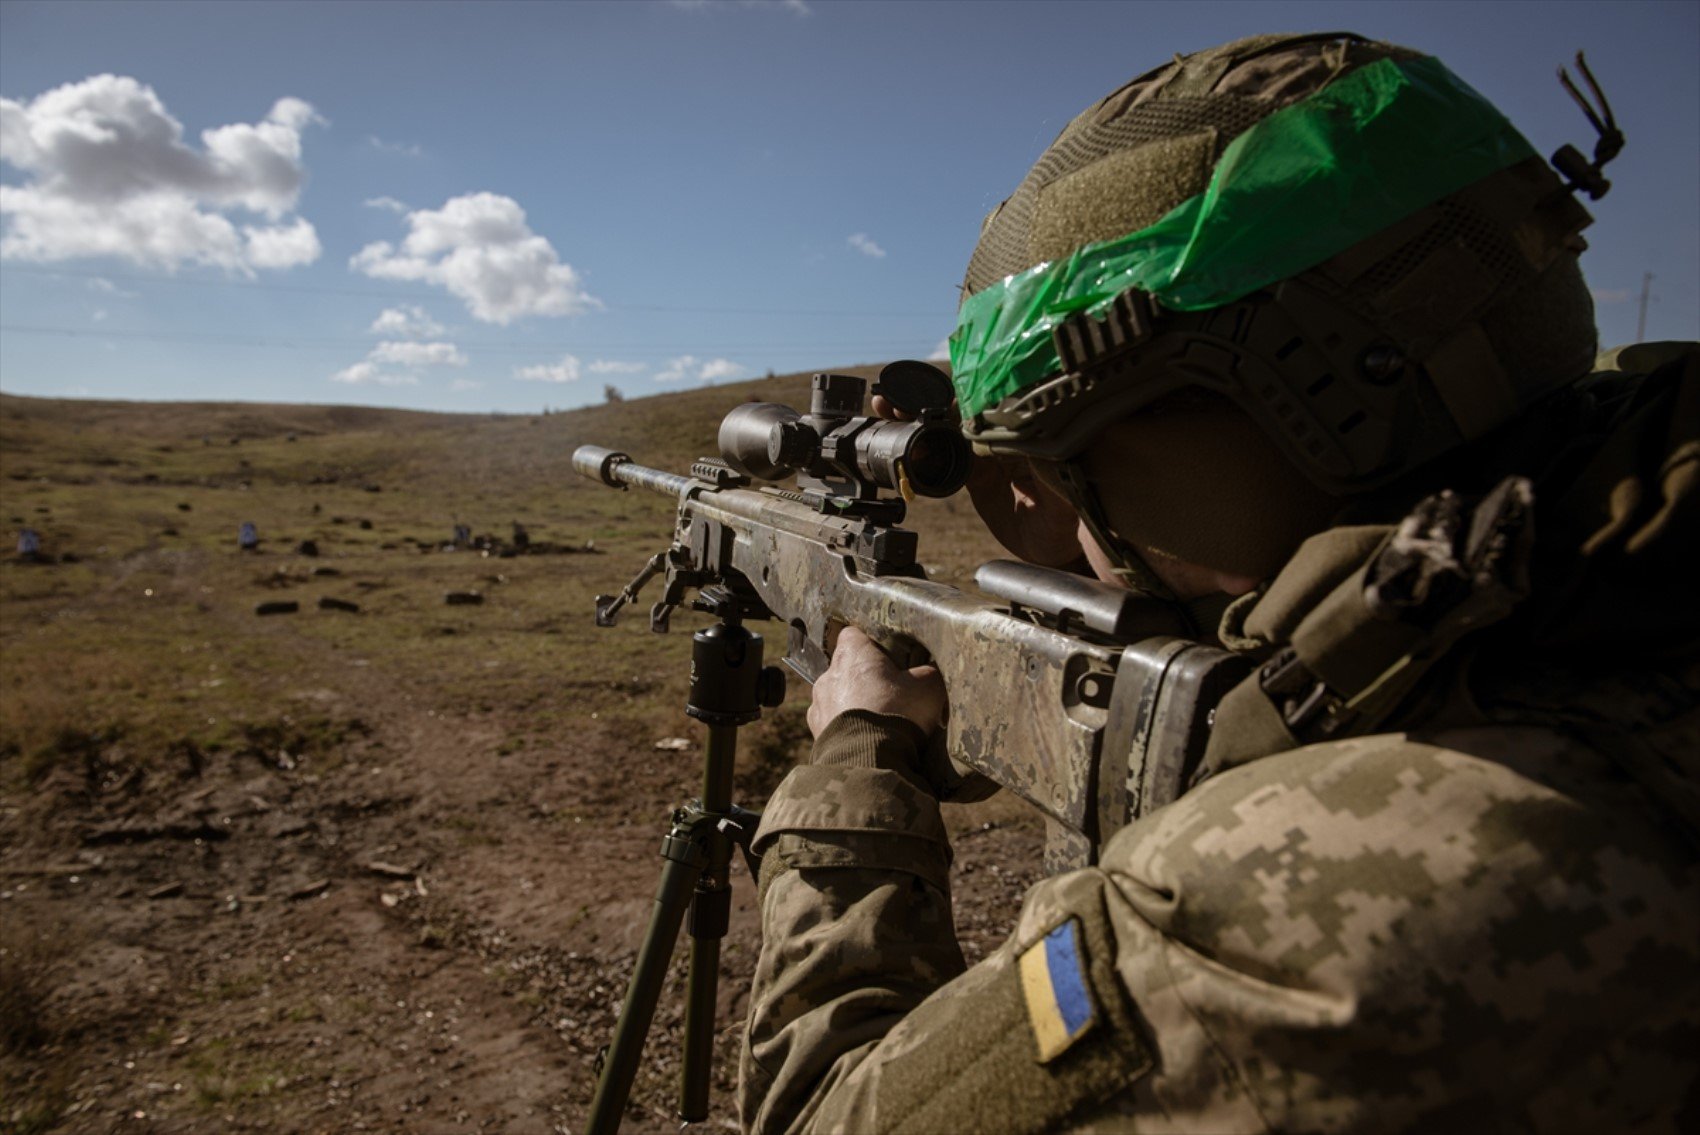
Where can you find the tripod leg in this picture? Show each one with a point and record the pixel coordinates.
(726, 692)
(710, 910)
(678, 878)
(694, 1077)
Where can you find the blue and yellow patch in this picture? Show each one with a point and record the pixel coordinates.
(1059, 997)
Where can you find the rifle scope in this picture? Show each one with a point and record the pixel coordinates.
(835, 445)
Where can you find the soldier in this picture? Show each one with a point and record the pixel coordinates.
(1339, 405)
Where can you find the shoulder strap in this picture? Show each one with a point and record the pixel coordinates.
(1445, 572)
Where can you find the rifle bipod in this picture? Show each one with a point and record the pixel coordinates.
(728, 688)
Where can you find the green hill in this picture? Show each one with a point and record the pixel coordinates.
(139, 505)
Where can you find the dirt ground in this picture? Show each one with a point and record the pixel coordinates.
(385, 903)
(267, 948)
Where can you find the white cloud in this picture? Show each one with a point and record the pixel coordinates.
(480, 248)
(567, 370)
(942, 351)
(719, 368)
(403, 149)
(387, 203)
(109, 174)
(280, 246)
(407, 353)
(613, 366)
(410, 354)
(409, 319)
(676, 369)
(368, 374)
(107, 288)
(99, 315)
(460, 384)
(359, 372)
(861, 243)
(689, 367)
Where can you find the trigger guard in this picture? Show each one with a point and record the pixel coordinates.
(905, 652)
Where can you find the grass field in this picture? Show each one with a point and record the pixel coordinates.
(341, 869)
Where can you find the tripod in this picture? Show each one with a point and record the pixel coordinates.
(729, 686)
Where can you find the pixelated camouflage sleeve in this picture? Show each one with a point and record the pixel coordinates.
(856, 925)
(1483, 929)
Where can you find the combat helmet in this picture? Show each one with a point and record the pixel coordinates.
(1339, 236)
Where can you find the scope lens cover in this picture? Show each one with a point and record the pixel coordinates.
(915, 387)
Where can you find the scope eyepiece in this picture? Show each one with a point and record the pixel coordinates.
(933, 456)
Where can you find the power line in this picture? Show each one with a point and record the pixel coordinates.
(366, 344)
(366, 293)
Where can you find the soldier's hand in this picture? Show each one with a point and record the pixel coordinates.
(1024, 514)
(862, 676)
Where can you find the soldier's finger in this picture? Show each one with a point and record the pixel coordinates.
(858, 650)
(851, 642)
(882, 408)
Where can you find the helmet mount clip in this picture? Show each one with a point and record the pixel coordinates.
(1578, 171)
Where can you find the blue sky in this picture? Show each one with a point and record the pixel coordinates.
(504, 206)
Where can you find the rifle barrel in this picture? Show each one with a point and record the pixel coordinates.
(617, 469)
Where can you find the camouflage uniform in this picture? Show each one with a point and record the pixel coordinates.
(1484, 913)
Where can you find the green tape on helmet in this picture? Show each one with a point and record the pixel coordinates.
(1305, 184)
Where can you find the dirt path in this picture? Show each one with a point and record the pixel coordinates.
(410, 934)
(399, 884)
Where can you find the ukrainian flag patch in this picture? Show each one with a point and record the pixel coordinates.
(1059, 997)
